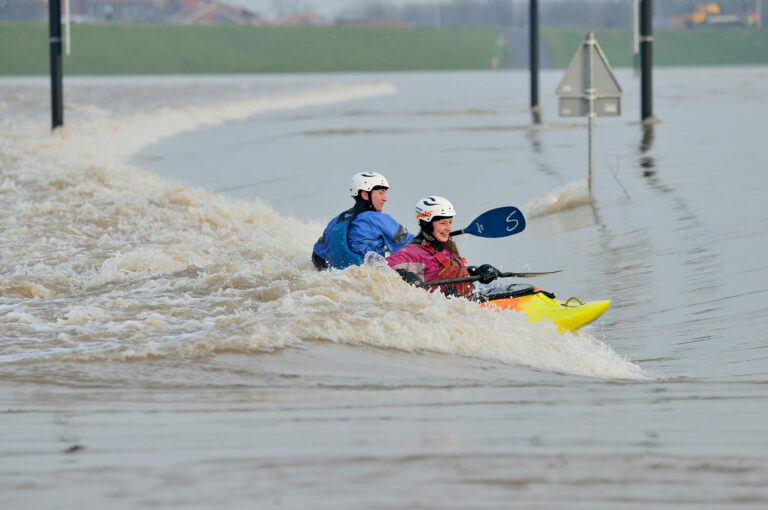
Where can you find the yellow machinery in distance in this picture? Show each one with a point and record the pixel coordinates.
(711, 14)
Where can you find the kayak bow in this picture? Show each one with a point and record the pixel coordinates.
(539, 305)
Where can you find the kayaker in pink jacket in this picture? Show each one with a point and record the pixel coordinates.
(432, 254)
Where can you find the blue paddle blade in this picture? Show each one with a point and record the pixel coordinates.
(500, 222)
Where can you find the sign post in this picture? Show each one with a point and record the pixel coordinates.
(589, 89)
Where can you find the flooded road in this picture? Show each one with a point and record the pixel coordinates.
(163, 327)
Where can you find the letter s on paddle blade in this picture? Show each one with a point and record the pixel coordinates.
(499, 222)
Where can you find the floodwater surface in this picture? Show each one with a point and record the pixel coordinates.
(166, 341)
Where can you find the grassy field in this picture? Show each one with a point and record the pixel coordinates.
(671, 47)
(172, 49)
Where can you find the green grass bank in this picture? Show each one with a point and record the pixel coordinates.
(173, 49)
(671, 47)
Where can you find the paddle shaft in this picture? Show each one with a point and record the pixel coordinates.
(477, 277)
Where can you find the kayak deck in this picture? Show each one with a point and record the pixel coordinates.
(539, 305)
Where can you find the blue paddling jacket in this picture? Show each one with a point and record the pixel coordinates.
(353, 233)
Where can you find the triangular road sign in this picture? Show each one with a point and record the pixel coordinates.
(577, 79)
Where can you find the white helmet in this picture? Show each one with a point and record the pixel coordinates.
(366, 181)
(430, 207)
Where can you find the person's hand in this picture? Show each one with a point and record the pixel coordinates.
(486, 272)
(410, 278)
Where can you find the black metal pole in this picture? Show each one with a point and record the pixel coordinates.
(534, 52)
(57, 88)
(646, 59)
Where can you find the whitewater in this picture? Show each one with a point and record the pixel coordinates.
(106, 261)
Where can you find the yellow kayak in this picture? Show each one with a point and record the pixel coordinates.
(540, 305)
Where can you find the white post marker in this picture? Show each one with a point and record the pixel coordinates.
(589, 89)
(67, 18)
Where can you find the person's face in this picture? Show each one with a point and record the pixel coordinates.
(378, 198)
(442, 229)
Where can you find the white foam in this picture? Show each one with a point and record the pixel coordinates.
(112, 262)
(83, 315)
(142, 261)
(570, 196)
(114, 139)
(21, 317)
(8, 186)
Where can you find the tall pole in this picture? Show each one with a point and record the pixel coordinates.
(635, 36)
(57, 89)
(534, 53)
(590, 92)
(646, 59)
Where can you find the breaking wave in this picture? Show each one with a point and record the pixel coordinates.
(571, 196)
(102, 261)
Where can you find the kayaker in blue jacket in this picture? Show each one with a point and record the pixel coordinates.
(363, 228)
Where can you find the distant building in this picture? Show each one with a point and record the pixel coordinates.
(126, 11)
(306, 20)
(187, 12)
(388, 22)
(28, 10)
(377, 22)
(207, 12)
